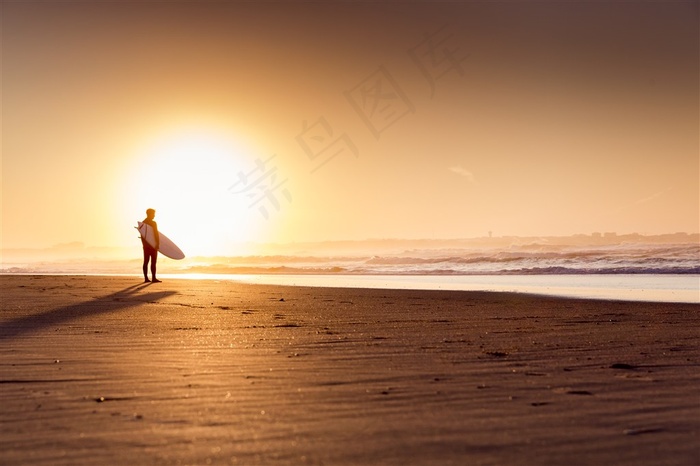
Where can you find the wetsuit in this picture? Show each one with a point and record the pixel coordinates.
(150, 254)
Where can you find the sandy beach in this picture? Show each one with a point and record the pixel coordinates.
(107, 370)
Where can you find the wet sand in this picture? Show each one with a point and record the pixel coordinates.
(107, 370)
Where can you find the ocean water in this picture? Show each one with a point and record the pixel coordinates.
(649, 271)
(529, 259)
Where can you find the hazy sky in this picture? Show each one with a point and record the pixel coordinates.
(300, 121)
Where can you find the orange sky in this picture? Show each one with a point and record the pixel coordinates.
(522, 119)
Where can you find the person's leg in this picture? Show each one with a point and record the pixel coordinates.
(146, 256)
(154, 258)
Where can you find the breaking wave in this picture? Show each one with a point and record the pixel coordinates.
(618, 259)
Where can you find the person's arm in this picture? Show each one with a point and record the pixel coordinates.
(156, 235)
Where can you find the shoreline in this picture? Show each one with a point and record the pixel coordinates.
(671, 288)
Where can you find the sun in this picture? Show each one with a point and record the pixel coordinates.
(187, 178)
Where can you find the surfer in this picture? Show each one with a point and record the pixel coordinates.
(150, 253)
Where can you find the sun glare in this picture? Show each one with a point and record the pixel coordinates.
(187, 179)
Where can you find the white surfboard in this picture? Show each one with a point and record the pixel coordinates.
(167, 247)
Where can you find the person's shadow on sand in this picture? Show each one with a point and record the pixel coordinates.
(123, 299)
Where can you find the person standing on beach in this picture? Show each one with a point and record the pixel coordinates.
(150, 253)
